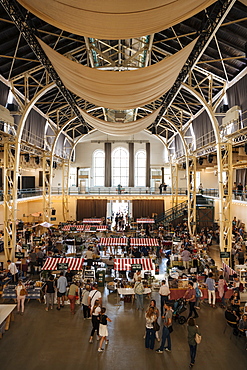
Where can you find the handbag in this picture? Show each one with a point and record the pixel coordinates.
(156, 325)
(170, 328)
(23, 292)
(198, 338)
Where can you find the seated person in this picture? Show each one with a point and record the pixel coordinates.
(232, 319)
(235, 302)
(242, 326)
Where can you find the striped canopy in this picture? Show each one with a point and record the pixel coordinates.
(145, 220)
(92, 220)
(74, 264)
(85, 227)
(124, 264)
(113, 241)
(144, 242)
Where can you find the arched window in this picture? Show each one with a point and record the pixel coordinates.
(99, 167)
(140, 168)
(120, 167)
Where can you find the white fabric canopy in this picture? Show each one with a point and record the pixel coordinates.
(117, 128)
(114, 19)
(119, 90)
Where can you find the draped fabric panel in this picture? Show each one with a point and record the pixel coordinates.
(107, 164)
(145, 208)
(4, 92)
(119, 90)
(34, 129)
(111, 19)
(241, 176)
(236, 95)
(131, 165)
(87, 208)
(203, 130)
(117, 128)
(148, 164)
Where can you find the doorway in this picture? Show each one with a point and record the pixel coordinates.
(119, 207)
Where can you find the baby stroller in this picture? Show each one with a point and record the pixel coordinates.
(178, 308)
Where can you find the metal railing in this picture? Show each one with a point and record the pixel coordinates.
(73, 190)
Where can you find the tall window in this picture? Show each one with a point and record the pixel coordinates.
(99, 167)
(140, 168)
(120, 167)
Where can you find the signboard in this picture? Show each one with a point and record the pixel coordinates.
(224, 254)
(93, 228)
(53, 218)
(89, 274)
(37, 238)
(136, 267)
(73, 228)
(78, 240)
(62, 266)
(19, 254)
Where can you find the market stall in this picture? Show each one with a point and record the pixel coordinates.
(113, 242)
(124, 264)
(145, 221)
(74, 264)
(85, 228)
(144, 242)
(179, 293)
(34, 291)
(92, 220)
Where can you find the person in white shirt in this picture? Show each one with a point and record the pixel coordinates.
(93, 295)
(137, 274)
(164, 294)
(12, 269)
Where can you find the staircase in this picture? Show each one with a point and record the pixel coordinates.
(172, 213)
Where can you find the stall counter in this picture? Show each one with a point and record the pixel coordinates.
(177, 293)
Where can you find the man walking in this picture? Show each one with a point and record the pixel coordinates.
(164, 294)
(167, 329)
(93, 295)
(61, 290)
(210, 282)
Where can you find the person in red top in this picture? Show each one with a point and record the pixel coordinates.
(190, 296)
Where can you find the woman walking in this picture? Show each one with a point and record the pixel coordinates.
(192, 331)
(103, 330)
(50, 292)
(95, 312)
(157, 313)
(222, 287)
(73, 293)
(21, 294)
(150, 332)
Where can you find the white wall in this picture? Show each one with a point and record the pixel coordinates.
(84, 150)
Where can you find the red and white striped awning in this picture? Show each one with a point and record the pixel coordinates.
(113, 241)
(124, 264)
(144, 242)
(85, 227)
(74, 264)
(92, 220)
(98, 227)
(145, 220)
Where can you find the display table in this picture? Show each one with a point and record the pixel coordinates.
(130, 291)
(6, 315)
(33, 293)
(179, 293)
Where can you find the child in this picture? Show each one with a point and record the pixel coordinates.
(103, 331)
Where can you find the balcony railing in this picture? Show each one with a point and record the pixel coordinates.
(73, 190)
